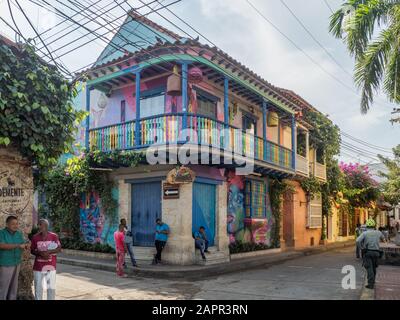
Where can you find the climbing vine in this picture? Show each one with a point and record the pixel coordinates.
(64, 185)
(37, 116)
(277, 189)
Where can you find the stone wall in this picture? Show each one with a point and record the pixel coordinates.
(16, 198)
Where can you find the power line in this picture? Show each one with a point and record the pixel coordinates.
(301, 50)
(315, 39)
(372, 146)
(329, 7)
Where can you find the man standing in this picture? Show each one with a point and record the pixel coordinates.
(358, 233)
(120, 249)
(162, 232)
(12, 244)
(129, 243)
(201, 242)
(369, 243)
(45, 246)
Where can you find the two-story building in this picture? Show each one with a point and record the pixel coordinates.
(185, 103)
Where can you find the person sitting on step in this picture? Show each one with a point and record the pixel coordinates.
(201, 241)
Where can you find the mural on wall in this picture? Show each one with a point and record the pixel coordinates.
(240, 228)
(96, 226)
(236, 214)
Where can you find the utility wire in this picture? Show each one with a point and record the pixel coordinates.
(301, 50)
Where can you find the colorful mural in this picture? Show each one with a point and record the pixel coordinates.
(246, 229)
(95, 226)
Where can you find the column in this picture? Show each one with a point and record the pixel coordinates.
(87, 141)
(137, 122)
(184, 94)
(294, 139)
(226, 112)
(265, 109)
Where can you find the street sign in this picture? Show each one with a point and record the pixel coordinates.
(170, 191)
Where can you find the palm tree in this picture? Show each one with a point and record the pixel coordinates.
(371, 31)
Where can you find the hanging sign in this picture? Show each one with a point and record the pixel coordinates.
(170, 191)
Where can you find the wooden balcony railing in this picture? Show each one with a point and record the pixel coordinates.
(302, 165)
(201, 130)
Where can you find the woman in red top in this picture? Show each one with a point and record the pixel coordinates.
(120, 249)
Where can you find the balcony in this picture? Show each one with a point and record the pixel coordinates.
(318, 170)
(302, 165)
(166, 129)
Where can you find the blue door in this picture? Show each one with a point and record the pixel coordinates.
(204, 209)
(146, 208)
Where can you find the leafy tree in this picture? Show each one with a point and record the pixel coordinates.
(377, 58)
(36, 112)
(391, 187)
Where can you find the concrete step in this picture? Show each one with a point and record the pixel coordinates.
(212, 258)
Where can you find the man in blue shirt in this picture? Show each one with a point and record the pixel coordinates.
(12, 244)
(162, 231)
(201, 241)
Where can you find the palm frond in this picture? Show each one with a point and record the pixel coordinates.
(370, 67)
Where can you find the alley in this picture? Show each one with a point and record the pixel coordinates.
(311, 277)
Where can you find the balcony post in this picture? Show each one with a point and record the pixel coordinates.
(226, 112)
(184, 94)
(137, 120)
(265, 109)
(87, 141)
(294, 138)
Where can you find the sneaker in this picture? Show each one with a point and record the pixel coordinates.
(204, 258)
(206, 251)
(135, 265)
(369, 287)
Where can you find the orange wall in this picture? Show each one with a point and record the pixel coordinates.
(302, 235)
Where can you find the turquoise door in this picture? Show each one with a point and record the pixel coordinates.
(203, 211)
(146, 208)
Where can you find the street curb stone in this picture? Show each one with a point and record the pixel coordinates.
(201, 272)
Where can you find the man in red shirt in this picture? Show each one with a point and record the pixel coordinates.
(120, 249)
(45, 246)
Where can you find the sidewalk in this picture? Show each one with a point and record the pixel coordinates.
(197, 272)
(387, 286)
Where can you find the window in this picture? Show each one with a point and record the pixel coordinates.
(249, 124)
(206, 104)
(123, 111)
(152, 103)
(314, 219)
(255, 199)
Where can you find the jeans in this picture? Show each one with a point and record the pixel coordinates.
(202, 245)
(9, 282)
(159, 247)
(370, 263)
(48, 277)
(129, 247)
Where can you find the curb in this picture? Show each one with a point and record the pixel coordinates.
(201, 272)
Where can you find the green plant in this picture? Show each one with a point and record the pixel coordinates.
(311, 185)
(83, 246)
(377, 55)
(242, 247)
(277, 189)
(36, 112)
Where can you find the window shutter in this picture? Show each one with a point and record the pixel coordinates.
(314, 216)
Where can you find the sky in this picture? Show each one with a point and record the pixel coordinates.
(236, 28)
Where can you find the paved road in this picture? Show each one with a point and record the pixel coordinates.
(311, 277)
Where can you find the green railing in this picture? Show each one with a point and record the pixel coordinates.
(201, 130)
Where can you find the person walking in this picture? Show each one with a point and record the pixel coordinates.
(12, 244)
(162, 232)
(120, 249)
(369, 243)
(201, 242)
(129, 243)
(45, 246)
